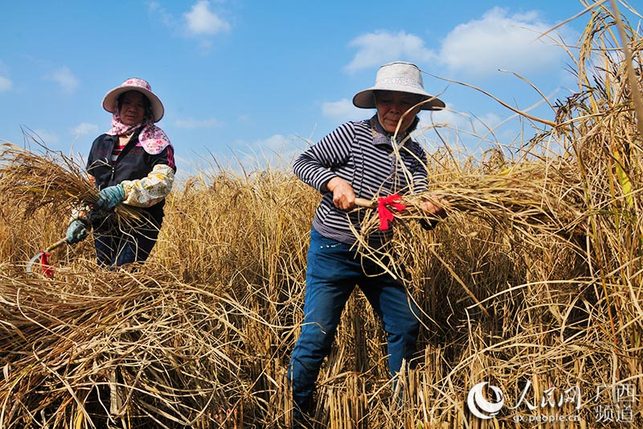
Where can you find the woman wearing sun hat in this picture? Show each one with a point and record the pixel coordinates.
(358, 160)
(133, 164)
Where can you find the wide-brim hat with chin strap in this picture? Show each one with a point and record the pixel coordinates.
(110, 102)
(397, 76)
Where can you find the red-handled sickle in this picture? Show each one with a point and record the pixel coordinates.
(43, 257)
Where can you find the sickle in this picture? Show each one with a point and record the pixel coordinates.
(42, 257)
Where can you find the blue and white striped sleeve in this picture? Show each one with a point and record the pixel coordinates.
(420, 172)
(316, 165)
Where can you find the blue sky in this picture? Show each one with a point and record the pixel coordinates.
(256, 81)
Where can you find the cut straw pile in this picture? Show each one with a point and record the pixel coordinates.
(129, 345)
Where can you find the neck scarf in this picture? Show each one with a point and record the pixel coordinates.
(152, 138)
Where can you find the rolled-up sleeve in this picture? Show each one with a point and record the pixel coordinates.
(316, 165)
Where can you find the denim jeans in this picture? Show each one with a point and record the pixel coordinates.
(116, 248)
(332, 273)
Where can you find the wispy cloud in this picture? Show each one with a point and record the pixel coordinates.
(191, 123)
(47, 137)
(161, 13)
(84, 129)
(277, 143)
(201, 21)
(276, 151)
(374, 49)
(65, 79)
(464, 131)
(462, 121)
(342, 110)
(5, 84)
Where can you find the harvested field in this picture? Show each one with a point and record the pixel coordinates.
(533, 283)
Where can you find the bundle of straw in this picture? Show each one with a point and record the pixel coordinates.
(33, 181)
(530, 197)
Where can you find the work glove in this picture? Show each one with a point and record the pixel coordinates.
(76, 231)
(110, 197)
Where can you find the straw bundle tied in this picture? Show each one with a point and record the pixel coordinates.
(527, 196)
(33, 181)
(526, 201)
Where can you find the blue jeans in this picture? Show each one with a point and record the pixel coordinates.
(115, 248)
(332, 273)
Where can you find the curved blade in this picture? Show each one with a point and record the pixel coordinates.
(36, 258)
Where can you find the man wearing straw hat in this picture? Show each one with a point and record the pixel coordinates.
(372, 158)
(133, 164)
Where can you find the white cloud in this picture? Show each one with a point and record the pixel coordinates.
(64, 77)
(47, 137)
(200, 20)
(374, 49)
(199, 23)
(5, 84)
(497, 40)
(197, 123)
(276, 151)
(500, 41)
(276, 143)
(464, 132)
(445, 117)
(83, 129)
(166, 18)
(342, 109)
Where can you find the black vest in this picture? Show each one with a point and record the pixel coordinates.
(132, 163)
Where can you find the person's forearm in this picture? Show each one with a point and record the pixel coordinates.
(151, 189)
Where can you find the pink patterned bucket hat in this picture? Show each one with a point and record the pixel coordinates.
(134, 84)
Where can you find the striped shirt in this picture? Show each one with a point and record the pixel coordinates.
(362, 154)
(119, 146)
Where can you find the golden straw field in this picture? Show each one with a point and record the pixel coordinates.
(533, 283)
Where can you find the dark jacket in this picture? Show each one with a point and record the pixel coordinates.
(133, 163)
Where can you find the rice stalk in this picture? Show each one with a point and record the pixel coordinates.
(33, 181)
(547, 240)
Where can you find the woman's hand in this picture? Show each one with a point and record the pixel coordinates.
(343, 194)
(76, 231)
(434, 206)
(110, 197)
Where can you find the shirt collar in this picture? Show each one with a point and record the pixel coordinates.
(381, 136)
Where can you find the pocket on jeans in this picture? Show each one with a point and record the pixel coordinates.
(327, 257)
(321, 242)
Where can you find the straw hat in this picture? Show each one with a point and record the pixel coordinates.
(397, 76)
(134, 84)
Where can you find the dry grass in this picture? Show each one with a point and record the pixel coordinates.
(535, 276)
